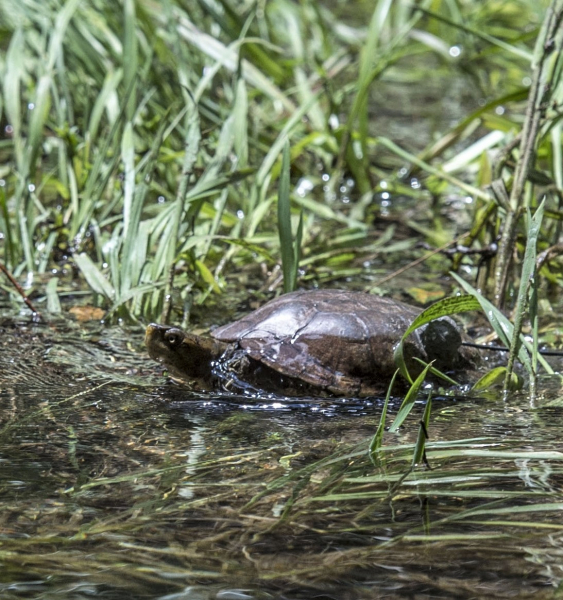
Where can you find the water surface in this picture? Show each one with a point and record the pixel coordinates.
(118, 483)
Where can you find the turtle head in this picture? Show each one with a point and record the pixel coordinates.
(162, 340)
(187, 356)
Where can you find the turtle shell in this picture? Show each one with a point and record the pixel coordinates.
(336, 340)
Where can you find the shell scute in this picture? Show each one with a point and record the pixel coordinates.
(328, 338)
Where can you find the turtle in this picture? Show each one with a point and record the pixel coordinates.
(324, 342)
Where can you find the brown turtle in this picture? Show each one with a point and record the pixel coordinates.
(310, 342)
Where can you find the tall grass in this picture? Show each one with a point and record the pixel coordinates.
(143, 141)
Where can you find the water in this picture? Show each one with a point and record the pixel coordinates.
(119, 484)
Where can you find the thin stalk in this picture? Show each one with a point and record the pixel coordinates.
(539, 95)
(20, 290)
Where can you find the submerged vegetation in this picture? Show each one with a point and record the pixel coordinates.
(165, 153)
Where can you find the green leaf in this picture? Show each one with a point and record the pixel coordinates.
(377, 439)
(527, 275)
(288, 254)
(409, 400)
(495, 377)
(53, 302)
(95, 278)
(207, 276)
(442, 308)
(419, 449)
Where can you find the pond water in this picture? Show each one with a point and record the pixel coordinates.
(120, 484)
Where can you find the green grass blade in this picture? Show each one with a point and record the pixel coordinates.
(470, 189)
(284, 223)
(104, 99)
(409, 400)
(130, 58)
(297, 251)
(53, 302)
(240, 125)
(128, 159)
(377, 439)
(129, 214)
(95, 278)
(519, 52)
(42, 106)
(495, 378)
(26, 236)
(135, 236)
(12, 99)
(227, 56)
(420, 447)
(9, 247)
(265, 169)
(527, 275)
(61, 23)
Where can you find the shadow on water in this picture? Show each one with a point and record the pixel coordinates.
(119, 484)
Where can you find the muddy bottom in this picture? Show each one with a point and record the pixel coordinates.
(120, 484)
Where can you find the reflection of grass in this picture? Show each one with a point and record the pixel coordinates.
(246, 511)
(124, 491)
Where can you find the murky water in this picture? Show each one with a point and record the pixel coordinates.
(119, 484)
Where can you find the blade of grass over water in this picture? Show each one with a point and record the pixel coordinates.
(420, 447)
(409, 400)
(377, 439)
(527, 278)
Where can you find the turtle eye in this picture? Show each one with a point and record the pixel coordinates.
(174, 337)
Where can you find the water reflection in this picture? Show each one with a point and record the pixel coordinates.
(118, 483)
